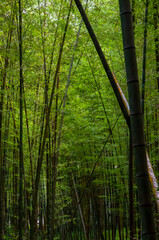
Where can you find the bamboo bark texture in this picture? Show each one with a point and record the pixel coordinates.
(137, 125)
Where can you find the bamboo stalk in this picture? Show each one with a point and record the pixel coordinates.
(137, 124)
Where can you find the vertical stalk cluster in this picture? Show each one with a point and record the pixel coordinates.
(74, 182)
(40, 157)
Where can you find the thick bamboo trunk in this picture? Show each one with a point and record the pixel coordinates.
(137, 126)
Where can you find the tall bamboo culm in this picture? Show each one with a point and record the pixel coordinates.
(137, 125)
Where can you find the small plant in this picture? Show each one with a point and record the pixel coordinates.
(10, 233)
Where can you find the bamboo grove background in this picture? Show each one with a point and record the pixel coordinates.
(64, 143)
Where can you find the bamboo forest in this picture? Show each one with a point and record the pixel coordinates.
(79, 120)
